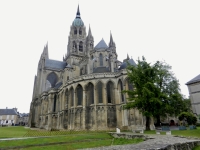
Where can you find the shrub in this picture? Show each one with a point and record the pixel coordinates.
(191, 119)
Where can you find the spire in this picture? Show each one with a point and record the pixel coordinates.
(111, 43)
(128, 57)
(78, 15)
(89, 32)
(89, 37)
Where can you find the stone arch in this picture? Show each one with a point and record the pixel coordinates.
(99, 91)
(74, 46)
(79, 94)
(71, 97)
(128, 86)
(52, 78)
(81, 46)
(100, 59)
(54, 102)
(89, 94)
(110, 92)
(120, 89)
(66, 101)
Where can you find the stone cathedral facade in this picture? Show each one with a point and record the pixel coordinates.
(84, 90)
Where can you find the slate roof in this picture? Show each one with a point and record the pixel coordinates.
(101, 45)
(8, 112)
(101, 70)
(124, 64)
(54, 64)
(58, 85)
(194, 80)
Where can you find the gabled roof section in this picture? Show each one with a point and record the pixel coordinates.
(54, 64)
(8, 112)
(101, 45)
(194, 80)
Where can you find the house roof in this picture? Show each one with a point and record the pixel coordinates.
(54, 64)
(8, 112)
(102, 44)
(194, 80)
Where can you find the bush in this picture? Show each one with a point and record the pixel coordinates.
(191, 119)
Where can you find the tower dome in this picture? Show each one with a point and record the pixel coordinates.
(78, 21)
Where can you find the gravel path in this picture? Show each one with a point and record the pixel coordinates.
(158, 142)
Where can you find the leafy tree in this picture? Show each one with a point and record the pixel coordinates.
(156, 91)
(172, 100)
(146, 96)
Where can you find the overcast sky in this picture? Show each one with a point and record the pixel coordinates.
(159, 30)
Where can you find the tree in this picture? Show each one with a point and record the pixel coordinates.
(156, 92)
(146, 96)
(169, 87)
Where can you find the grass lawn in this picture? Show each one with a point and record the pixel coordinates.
(69, 141)
(13, 131)
(74, 141)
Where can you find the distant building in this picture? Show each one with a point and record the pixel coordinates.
(8, 116)
(194, 91)
(23, 118)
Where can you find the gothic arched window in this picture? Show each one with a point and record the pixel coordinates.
(110, 92)
(130, 85)
(90, 94)
(120, 87)
(99, 92)
(101, 59)
(80, 31)
(81, 46)
(79, 94)
(52, 78)
(72, 96)
(75, 31)
(54, 103)
(74, 47)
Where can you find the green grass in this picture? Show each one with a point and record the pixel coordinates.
(196, 148)
(13, 131)
(69, 141)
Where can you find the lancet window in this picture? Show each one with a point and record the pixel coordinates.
(90, 94)
(109, 89)
(81, 46)
(79, 94)
(101, 59)
(99, 93)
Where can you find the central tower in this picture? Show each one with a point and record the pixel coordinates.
(76, 48)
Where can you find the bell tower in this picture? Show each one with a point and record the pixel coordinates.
(76, 48)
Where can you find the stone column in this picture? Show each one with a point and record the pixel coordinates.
(95, 109)
(50, 108)
(104, 116)
(84, 109)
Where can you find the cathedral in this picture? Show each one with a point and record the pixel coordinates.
(84, 91)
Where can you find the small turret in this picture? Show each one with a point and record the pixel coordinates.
(112, 43)
(90, 40)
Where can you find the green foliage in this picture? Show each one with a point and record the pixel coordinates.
(156, 90)
(190, 118)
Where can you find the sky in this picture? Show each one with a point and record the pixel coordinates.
(165, 30)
